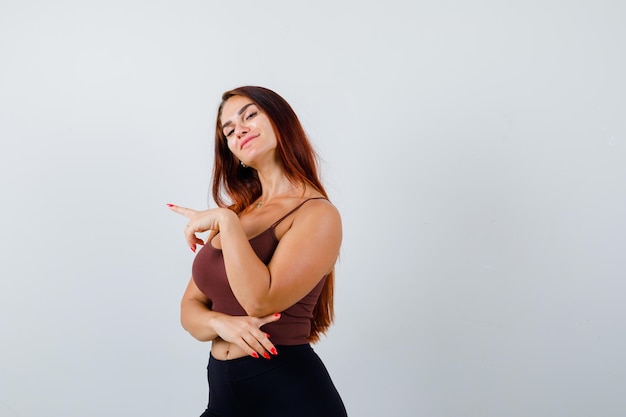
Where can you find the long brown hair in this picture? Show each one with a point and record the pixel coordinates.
(237, 187)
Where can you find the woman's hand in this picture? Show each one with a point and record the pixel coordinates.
(200, 221)
(245, 332)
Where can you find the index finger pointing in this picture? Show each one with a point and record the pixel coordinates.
(187, 212)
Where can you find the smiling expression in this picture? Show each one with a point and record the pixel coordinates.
(248, 130)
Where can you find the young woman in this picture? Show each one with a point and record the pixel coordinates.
(262, 284)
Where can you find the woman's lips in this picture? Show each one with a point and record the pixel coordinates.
(245, 140)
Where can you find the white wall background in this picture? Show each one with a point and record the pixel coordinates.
(475, 149)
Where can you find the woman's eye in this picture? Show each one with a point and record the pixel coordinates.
(229, 132)
(251, 115)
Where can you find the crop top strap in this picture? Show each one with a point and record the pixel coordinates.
(294, 209)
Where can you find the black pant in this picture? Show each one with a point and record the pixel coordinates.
(294, 383)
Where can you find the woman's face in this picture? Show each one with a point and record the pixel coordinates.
(248, 130)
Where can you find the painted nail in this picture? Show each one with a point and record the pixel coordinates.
(170, 205)
(277, 315)
(274, 351)
(267, 335)
(266, 355)
(192, 249)
(255, 355)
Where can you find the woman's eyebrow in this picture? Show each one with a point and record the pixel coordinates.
(241, 110)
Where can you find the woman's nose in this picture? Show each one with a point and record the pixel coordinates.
(241, 130)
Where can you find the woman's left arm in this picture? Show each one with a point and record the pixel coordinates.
(305, 253)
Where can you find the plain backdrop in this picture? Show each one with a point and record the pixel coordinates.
(476, 151)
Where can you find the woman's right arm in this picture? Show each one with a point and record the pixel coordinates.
(195, 314)
(205, 325)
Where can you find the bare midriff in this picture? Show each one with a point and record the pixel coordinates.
(223, 350)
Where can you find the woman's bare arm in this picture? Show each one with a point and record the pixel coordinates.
(206, 325)
(305, 253)
(195, 314)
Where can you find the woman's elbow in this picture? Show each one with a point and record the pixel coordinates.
(196, 333)
(259, 310)
(190, 326)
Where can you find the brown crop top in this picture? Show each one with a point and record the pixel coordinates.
(209, 274)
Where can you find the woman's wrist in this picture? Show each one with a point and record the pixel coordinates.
(227, 220)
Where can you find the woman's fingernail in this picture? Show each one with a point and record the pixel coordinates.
(255, 355)
(192, 249)
(266, 355)
(170, 205)
(277, 315)
(274, 351)
(267, 335)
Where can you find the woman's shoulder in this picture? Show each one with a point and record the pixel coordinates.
(317, 208)
(312, 217)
